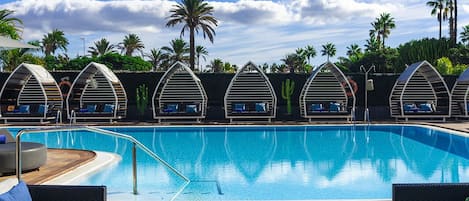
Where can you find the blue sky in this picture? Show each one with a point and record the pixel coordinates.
(260, 31)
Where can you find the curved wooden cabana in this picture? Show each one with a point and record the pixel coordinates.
(460, 96)
(96, 94)
(420, 92)
(179, 95)
(328, 93)
(250, 95)
(30, 92)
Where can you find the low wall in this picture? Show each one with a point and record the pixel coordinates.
(216, 84)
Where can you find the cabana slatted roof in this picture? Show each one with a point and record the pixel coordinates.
(250, 86)
(96, 85)
(326, 85)
(32, 86)
(179, 95)
(460, 96)
(420, 92)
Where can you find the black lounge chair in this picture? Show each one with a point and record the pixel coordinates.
(430, 191)
(67, 193)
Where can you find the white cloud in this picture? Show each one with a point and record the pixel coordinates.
(257, 30)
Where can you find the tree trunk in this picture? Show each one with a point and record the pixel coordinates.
(455, 25)
(192, 48)
(439, 20)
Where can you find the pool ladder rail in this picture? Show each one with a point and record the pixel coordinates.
(135, 143)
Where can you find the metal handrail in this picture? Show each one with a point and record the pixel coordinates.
(58, 117)
(73, 117)
(101, 131)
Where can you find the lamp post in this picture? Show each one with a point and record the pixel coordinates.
(366, 116)
(84, 50)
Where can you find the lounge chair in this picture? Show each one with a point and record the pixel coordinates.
(430, 191)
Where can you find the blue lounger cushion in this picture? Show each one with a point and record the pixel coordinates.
(42, 109)
(3, 139)
(239, 107)
(426, 107)
(334, 107)
(24, 109)
(261, 107)
(108, 108)
(410, 107)
(171, 108)
(317, 107)
(191, 108)
(91, 108)
(19, 192)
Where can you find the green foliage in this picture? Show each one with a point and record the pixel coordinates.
(424, 49)
(288, 87)
(142, 98)
(383, 59)
(444, 66)
(112, 60)
(13, 58)
(459, 68)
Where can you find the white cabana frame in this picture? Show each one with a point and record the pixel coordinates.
(30, 93)
(96, 94)
(179, 96)
(460, 96)
(420, 92)
(327, 85)
(251, 91)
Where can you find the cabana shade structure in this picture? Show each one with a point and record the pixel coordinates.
(96, 94)
(250, 95)
(420, 92)
(460, 96)
(30, 93)
(327, 93)
(179, 95)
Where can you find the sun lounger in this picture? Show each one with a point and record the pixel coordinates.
(430, 191)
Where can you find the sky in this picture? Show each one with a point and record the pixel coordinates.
(261, 31)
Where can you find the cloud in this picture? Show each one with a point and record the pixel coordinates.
(80, 16)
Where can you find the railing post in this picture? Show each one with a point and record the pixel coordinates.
(134, 167)
(18, 156)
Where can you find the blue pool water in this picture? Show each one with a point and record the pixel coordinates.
(275, 163)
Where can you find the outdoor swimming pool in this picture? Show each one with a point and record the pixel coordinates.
(274, 162)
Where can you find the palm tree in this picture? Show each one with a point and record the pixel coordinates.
(353, 50)
(437, 9)
(10, 26)
(465, 34)
(387, 23)
(53, 41)
(216, 66)
(200, 51)
(455, 21)
(449, 10)
(177, 51)
(196, 15)
(310, 52)
(102, 47)
(293, 61)
(130, 44)
(156, 57)
(375, 31)
(328, 50)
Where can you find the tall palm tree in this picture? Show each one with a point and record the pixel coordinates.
(328, 50)
(455, 32)
(294, 62)
(465, 34)
(101, 47)
(386, 24)
(130, 44)
(375, 31)
(177, 51)
(10, 26)
(156, 57)
(53, 41)
(437, 9)
(449, 10)
(196, 15)
(200, 51)
(310, 52)
(353, 50)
